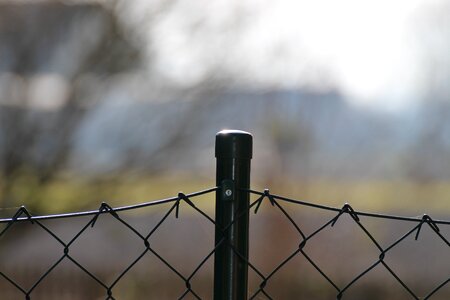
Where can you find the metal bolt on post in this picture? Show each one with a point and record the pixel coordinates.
(233, 154)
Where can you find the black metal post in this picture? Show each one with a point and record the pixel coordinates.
(233, 154)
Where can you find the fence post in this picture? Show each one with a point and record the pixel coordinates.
(233, 154)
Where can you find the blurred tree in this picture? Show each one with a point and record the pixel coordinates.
(176, 100)
(59, 61)
(46, 51)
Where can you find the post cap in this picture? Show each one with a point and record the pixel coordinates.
(234, 144)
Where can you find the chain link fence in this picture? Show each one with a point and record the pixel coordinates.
(295, 260)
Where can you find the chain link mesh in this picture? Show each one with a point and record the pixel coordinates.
(278, 202)
(263, 277)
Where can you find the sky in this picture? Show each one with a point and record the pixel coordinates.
(367, 49)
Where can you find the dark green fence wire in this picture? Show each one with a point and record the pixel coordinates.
(276, 202)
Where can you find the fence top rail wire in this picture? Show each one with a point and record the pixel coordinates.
(97, 211)
(266, 192)
(418, 219)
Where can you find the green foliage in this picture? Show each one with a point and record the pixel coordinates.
(71, 193)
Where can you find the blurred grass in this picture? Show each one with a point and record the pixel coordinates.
(70, 194)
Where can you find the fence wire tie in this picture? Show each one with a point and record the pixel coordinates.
(346, 209)
(22, 211)
(382, 255)
(188, 285)
(426, 219)
(267, 195)
(109, 293)
(182, 196)
(104, 207)
(263, 284)
(302, 244)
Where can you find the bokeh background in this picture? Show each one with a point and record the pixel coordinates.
(119, 101)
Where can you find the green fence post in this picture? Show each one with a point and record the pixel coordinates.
(233, 154)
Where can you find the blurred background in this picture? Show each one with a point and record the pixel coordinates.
(119, 101)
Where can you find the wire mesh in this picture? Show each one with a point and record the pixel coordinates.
(278, 203)
(262, 276)
(22, 215)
